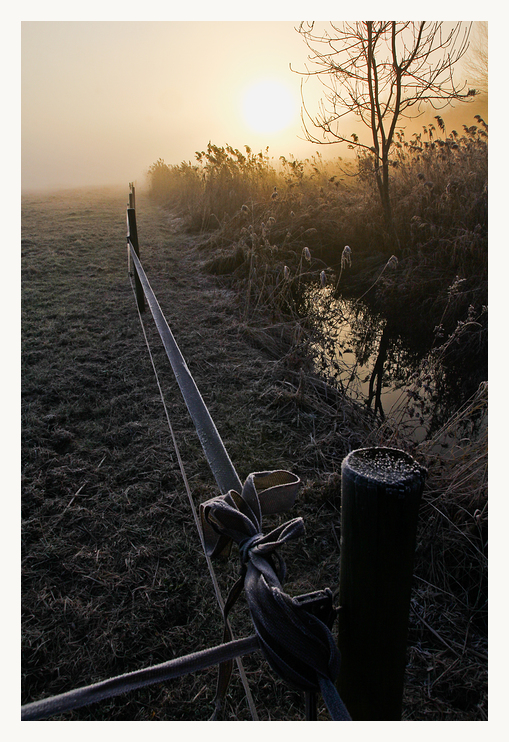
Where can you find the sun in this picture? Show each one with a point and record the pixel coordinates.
(269, 106)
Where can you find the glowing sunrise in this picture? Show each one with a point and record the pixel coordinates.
(269, 106)
(102, 101)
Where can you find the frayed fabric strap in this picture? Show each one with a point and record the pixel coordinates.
(298, 645)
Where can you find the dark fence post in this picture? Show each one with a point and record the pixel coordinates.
(132, 233)
(381, 493)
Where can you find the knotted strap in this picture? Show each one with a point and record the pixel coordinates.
(298, 646)
(263, 493)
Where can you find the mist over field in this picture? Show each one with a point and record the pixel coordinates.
(102, 101)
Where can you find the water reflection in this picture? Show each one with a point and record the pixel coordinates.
(359, 352)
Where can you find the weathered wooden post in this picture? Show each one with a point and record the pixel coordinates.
(381, 493)
(132, 234)
(132, 196)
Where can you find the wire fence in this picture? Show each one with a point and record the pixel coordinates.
(274, 497)
(293, 633)
(262, 493)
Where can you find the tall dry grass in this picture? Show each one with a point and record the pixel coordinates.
(251, 205)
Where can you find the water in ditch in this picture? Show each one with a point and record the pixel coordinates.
(357, 351)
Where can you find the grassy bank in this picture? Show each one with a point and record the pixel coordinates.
(112, 574)
(264, 213)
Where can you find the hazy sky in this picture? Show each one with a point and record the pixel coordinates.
(101, 101)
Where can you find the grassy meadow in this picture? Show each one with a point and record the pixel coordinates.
(113, 578)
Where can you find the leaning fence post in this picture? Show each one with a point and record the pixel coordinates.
(132, 231)
(381, 492)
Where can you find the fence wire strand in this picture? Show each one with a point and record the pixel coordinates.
(173, 668)
(169, 670)
(217, 591)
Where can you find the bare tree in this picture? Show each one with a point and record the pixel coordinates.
(381, 71)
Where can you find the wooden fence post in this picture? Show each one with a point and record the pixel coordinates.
(381, 493)
(132, 230)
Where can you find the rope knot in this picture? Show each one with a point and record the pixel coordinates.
(238, 517)
(297, 644)
(246, 546)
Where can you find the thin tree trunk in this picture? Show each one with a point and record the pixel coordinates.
(378, 371)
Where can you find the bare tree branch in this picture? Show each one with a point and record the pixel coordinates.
(380, 71)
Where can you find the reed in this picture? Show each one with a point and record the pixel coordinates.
(276, 209)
